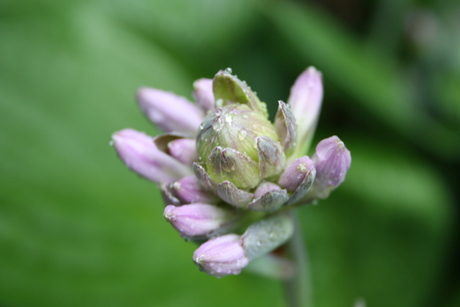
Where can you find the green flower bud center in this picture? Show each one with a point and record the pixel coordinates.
(233, 126)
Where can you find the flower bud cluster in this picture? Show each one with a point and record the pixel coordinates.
(227, 174)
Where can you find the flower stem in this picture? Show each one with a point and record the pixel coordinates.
(298, 288)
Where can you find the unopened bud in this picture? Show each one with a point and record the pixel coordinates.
(183, 150)
(305, 101)
(221, 256)
(202, 92)
(138, 151)
(188, 190)
(332, 161)
(170, 112)
(200, 221)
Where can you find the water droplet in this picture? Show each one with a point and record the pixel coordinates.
(217, 125)
(111, 143)
(218, 269)
(245, 116)
(202, 126)
(259, 243)
(228, 118)
(228, 70)
(242, 134)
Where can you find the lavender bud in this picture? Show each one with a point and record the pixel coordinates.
(188, 190)
(305, 101)
(268, 197)
(203, 94)
(170, 112)
(138, 151)
(295, 173)
(200, 221)
(264, 188)
(183, 150)
(332, 161)
(221, 256)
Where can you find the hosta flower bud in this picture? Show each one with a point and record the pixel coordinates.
(305, 100)
(221, 256)
(265, 235)
(183, 150)
(200, 221)
(236, 141)
(268, 197)
(169, 111)
(332, 161)
(202, 92)
(138, 151)
(188, 190)
(241, 162)
(298, 178)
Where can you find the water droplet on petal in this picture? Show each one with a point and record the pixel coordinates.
(228, 118)
(242, 134)
(228, 70)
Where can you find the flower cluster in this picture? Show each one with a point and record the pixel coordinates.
(228, 175)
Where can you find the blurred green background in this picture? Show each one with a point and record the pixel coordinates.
(78, 229)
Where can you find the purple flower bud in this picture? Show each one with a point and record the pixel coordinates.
(199, 221)
(169, 111)
(298, 178)
(221, 256)
(332, 161)
(264, 188)
(188, 190)
(138, 151)
(203, 94)
(295, 173)
(305, 101)
(268, 197)
(183, 150)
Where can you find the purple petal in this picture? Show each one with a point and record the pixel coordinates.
(138, 151)
(189, 190)
(170, 112)
(203, 94)
(221, 256)
(199, 220)
(183, 150)
(332, 161)
(305, 101)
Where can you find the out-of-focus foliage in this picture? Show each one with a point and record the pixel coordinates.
(78, 229)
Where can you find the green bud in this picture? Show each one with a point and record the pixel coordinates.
(229, 89)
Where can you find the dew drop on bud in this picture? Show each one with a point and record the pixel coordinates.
(242, 134)
(228, 118)
(228, 70)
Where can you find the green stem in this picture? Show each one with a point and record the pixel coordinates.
(298, 289)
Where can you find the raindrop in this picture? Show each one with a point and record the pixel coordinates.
(242, 134)
(217, 125)
(228, 70)
(228, 118)
(259, 243)
(111, 143)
